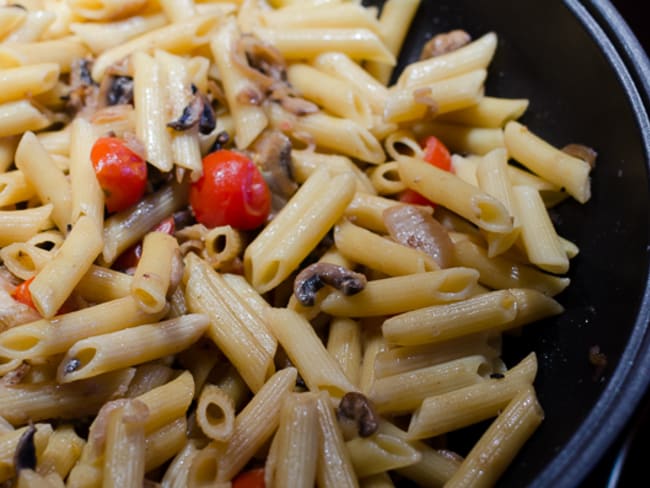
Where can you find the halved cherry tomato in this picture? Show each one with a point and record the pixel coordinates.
(130, 257)
(253, 478)
(121, 173)
(232, 191)
(435, 153)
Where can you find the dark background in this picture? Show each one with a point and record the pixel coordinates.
(634, 14)
(626, 462)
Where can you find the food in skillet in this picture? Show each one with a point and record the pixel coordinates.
(231, 253)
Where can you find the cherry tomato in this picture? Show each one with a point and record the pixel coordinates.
(231, 191)
(130, 257)
(253, 478)
(438, 155)
(121, 173)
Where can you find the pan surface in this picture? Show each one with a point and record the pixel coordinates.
(587, 81)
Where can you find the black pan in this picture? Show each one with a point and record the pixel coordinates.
(587, 79)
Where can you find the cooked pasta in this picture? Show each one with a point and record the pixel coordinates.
(231, 245)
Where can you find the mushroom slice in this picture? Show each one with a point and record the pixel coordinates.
(273, 151)
(316, 276)
(356, 408)
(445, 43)
(199, 112)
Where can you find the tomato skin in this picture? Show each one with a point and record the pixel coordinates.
(232, 191)
(436, 154)
(253, 478)
(121, 173)
(22, 294)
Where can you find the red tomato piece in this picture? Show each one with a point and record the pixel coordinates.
(253, 478)
(22, 294)
(232, 191)
(436, 154)
(121, 173)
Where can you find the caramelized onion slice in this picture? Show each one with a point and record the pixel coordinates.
(413, 227)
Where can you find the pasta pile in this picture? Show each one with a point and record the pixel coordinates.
(338, 344)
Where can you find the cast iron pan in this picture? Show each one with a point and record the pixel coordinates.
(587, 80)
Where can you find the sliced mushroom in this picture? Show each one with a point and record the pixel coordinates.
(316, 276)
(84, 92)
(116, 90)
(445, 43)
(199, 112)
(357, 409)
(25, 455)
(415, 228)
(286, 97)
(583, 152)
(260, 61)
(273, 153)
(265, 66)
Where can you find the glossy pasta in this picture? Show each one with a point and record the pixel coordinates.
(323, 347)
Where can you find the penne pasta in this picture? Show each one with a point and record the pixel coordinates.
(438, 97)
(334, 468)
(394, 295)
(47, 337)
(249, 120)
(21, 116)
(459, 408)
(100, 354)
(297, 441)
(234, 327)
(220, 462)
(402, 393)
(548, 162)
(301, 43)
(53, 284)
(448, 190)
(152, 280)
(509, 431)
(388, 257)
(395, 18)
(49, 400)
(314, 363)
(493, 311)
(491, 112)
(178, 38)
(215, 413)
(277, 250)
(34, 79)
(475, 55)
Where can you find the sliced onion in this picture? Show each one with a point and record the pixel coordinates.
(413, 227)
